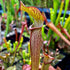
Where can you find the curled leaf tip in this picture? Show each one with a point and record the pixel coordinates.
(33, 11)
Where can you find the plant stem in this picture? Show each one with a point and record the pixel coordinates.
(6, 44)
(16, 34)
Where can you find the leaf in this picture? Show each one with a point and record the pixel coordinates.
(24, 52)
(44, 36)
(67, 22)
(6, 43)
(55, 5)
(61, 8)
(66, 6)
(51, 14)
(33, 11)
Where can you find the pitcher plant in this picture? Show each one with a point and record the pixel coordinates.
(35, 35)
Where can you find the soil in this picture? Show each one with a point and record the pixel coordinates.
(65, 63)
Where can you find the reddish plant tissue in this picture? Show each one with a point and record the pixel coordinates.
(51, 68)
(22, 30)
(51, 25)
(63, 30)
(26, 67)
(35, 45)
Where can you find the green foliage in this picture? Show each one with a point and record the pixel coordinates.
(8, 17)
(31, 2)
(66, 6)
(26, 57)
(37, 2)
(9, 45)
(23, 52)
(58, 19)
(0, 48)
(20, 44)
(51, 14)
(12, 68)
(31, 19)
(26, 35)
(67, 24)
(9, 5)
(11, 50)
(28, 2)
(12, 5)
(14, 45)
(8, 22)
(29, 47)
(55, 6)
(43, 34)
(49, 3)
(55, 19)
(60, 12)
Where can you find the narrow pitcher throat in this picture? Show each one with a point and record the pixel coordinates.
(35, 45)
(33, 27)
(37, 25)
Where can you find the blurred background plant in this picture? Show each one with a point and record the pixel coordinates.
(9, 12)
(60, 22)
